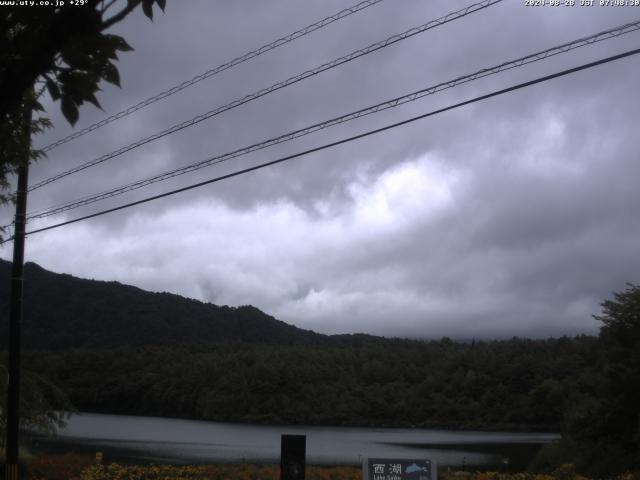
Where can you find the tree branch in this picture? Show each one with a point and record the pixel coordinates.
(120, 15)
(107, 6)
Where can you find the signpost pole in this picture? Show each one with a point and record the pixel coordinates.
(293, 453)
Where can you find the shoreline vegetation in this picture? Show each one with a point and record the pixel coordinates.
(444, 426)
(510, 385)
(77, 467)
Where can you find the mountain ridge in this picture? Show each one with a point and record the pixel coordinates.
(62, 311)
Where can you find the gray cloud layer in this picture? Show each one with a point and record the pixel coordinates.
(514, 216)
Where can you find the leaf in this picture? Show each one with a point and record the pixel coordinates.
(111, 75)
(91, 98)
(161, 4)
(37, 106)
(36, 155)
(76, 85)
(118, 42)
(74, 57)
(147, 8)
(54, 91)
(69, 110)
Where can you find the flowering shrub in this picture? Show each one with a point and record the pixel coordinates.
(58, 467)
(564, 472)
(77, 467)
(211, 472)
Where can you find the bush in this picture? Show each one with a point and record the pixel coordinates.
(68, 466)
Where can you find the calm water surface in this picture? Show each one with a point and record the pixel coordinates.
(149, 439)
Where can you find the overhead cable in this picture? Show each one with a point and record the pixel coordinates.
(340, 142)
(531, 58)
(277, 86)
(214, 71)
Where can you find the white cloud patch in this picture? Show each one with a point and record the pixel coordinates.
(520, 220)
(299, 266)
(430, 246)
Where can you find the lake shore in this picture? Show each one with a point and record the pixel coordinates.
(148, 440)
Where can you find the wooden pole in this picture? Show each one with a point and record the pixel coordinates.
(15, 310)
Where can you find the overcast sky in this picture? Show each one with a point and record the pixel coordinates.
(513, 216)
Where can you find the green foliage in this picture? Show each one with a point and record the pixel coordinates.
(601, 428)
(64, 51)
(14, 141)
(242, 471)
(490, 385)
(61, 311)
(43, 406)
(67, 466)
(117, 349)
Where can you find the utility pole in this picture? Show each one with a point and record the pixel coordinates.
(15, 311)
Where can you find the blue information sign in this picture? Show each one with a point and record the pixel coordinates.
(398, 469)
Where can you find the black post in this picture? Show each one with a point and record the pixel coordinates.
(15, 311)
(293, 453)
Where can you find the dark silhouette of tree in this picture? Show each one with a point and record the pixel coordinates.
(64, 50)
(44, 405)
(601, 424)
(616, 420)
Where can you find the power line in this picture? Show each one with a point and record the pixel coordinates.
(277, 86)
(214, 71)
(531, 58)
(345, 140)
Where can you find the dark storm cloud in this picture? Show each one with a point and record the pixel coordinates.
(514, 216)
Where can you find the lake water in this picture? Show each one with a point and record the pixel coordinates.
(163, 440)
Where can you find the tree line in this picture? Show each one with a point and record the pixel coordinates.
(586, 387)
(517, 384)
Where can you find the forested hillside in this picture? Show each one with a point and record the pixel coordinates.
(517, 384)
(62, 311)
(118, 349)
(114, 348)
